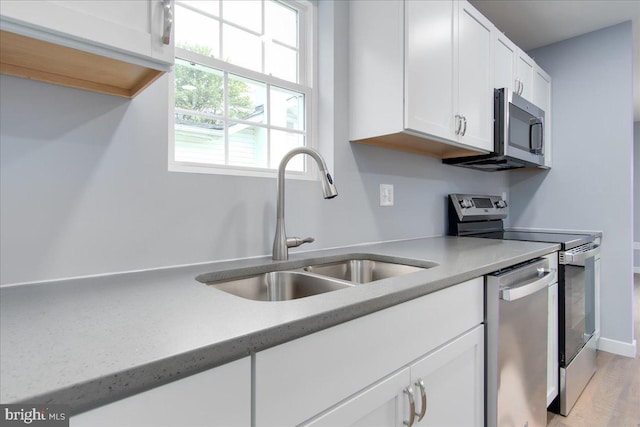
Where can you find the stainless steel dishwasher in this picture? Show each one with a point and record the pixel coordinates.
(516, 345)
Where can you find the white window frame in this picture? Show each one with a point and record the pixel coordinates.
(307, 60)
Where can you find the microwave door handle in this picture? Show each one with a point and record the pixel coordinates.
(536, 121)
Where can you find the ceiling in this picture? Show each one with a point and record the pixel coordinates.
(535, 23)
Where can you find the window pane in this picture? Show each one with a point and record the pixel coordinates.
(199, 144)
(199, 88)
(287, 108)
(282, 62)
(197, 33)
(242, 48)
(247, 99)
(281, 143)
(211, 7)
(246, 13)
(247, 145)
(281, 23)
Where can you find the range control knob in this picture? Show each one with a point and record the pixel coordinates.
(466, 203)
(501, 204)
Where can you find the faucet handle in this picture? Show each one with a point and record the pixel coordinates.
(294, 242)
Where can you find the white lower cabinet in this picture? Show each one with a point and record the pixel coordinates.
(363, 372)
(379, 405)
(447, 387)
(218, 397)
(355, 373)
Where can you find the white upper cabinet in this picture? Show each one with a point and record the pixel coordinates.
(430, 73)
(514, 69)
(474, 91)
(436, 99)
(74, 43)
(524, 75)
(542, 98)
(505, 53)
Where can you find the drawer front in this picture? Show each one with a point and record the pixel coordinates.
(301, 378)
(220, 396)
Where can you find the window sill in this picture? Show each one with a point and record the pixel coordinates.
(239, 171)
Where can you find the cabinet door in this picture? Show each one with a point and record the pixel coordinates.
(475, 87)
(376, 68)
(218, 397)
(552, 345)
(525, 74)
(453, 378)
(429, 73)
(379, 405)
(104, 27)
(504, 64)
(542, 98)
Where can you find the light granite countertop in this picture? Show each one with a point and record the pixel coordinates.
(89, 341)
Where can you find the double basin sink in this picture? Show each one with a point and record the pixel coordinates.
(316, 278)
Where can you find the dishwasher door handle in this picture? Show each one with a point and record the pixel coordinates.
(527, 288)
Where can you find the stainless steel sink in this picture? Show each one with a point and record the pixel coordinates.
(363, 270)
(298, 279)
(278, 286)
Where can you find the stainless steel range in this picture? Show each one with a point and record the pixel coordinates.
(482, 216)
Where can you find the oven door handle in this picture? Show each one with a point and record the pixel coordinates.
(579, 258)
(527, 288)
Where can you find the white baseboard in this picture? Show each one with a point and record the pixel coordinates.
(618, 347)
(636, 270)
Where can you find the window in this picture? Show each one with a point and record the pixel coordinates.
(242, 85)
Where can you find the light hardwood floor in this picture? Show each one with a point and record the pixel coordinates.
(612, 397)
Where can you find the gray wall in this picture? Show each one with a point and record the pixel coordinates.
(589, 186)
(85, 188)
(636, 193)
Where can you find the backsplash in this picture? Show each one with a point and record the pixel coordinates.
(85, 190)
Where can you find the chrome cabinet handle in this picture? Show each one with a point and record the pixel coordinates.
(464, 129)
(168, 21)
(519, 86)
(458, 123)
(423, 394)
(412, 407)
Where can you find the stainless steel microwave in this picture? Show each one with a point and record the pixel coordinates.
(518, 135)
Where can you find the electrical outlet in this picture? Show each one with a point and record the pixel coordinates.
(386, 194)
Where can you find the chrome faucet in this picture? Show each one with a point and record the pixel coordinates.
(281, 243)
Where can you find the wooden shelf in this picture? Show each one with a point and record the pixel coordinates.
(34, 59)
